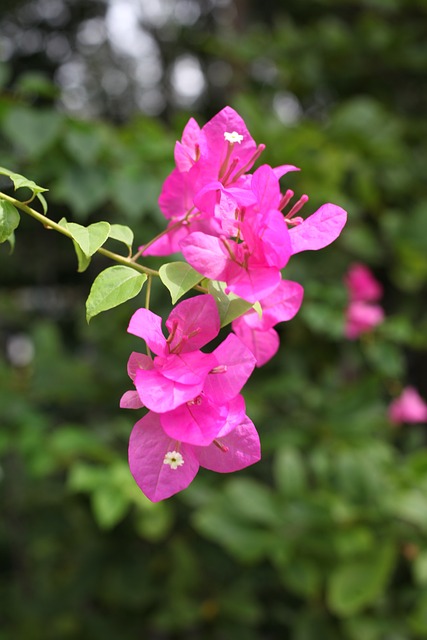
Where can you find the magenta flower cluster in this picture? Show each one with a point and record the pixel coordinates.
(237, 228)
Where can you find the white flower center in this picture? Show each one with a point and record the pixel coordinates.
(174, 459)
(233, 136)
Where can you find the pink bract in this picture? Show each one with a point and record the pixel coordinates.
(177, 374)
(150, 447)
(408, 407)
(318, 230)
(263, 343)
(257, 332)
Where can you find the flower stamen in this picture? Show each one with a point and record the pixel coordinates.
(297, 206)
(233, 137)
(221, 446)
(174, 459)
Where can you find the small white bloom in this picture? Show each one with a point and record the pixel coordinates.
(174, 459)
(233, 136)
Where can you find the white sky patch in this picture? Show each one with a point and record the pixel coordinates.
(187, 79)
(287, 107)
(125, 31)
(187, 12)
(20, 350)
(92, 33)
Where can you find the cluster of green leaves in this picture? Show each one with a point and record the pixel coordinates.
(326, 537)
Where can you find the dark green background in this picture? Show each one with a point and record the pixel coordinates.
(326, 537)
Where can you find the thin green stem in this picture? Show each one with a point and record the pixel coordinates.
(51, 224)
(115, 257)
(148, 292)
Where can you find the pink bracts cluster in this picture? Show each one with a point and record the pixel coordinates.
(235, 227)
(363, 311)
(196, 413)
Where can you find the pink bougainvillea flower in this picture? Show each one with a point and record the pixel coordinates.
(222, 151)
(408, 407)
(251, 267)
(199, 420)
(190, 389)
(364, 290)
(230, 151)
(250, 261)
(362, 285)
(162, 466)
(362, 317)
(177, 373)
(256, 331)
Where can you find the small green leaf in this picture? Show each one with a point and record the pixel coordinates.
(9, 220)
(289, 471)
(43, 202)
(358, 583)
(258, 309)
(90, 238)
(112, 287)
(20, 181)
(179, 278)
(83, 260)
(86, 240)
(122, 233)
(229, 305)
(109, 506)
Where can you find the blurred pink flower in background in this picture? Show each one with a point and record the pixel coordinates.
(362, 317)
(362, 285)
(363, 314)
(408, 407)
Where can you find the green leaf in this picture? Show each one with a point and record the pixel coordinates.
(246, 543)
(356, 584)
(9, 220)
(229, 305)
(86, 240)
(20, 182)
(251, 501)
(289, 471)
(420, 568)
(32, 131)
(179, 278)
(302, 576)
(43, 202)
(90, 238)
(122, 233)
(83, 260)
(83, 188)
(109, 506)
(112, 287)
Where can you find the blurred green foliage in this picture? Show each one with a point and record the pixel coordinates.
(326, 538)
